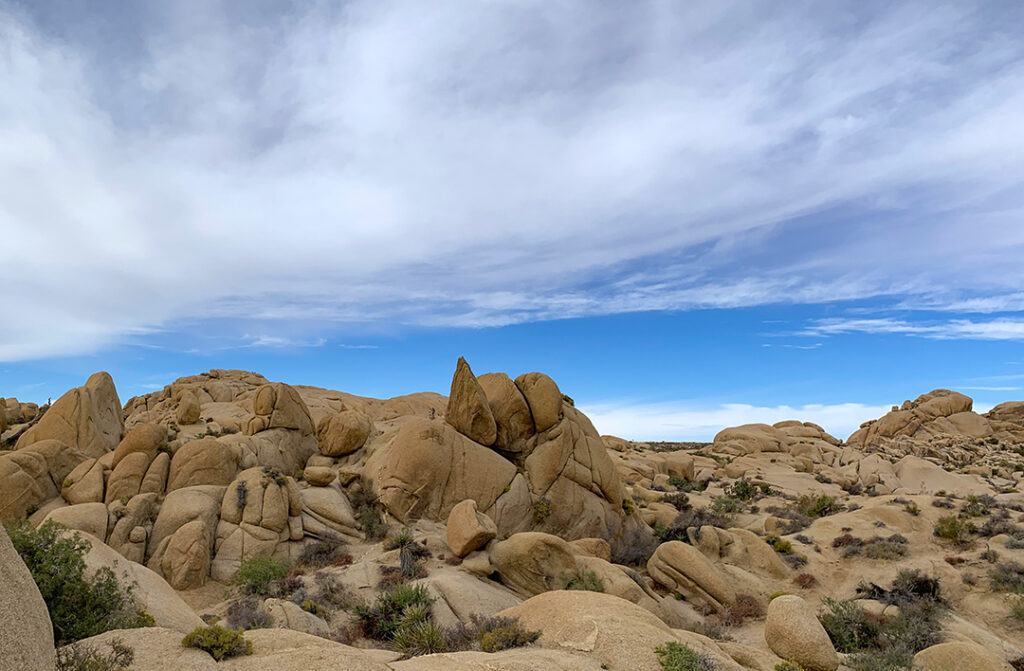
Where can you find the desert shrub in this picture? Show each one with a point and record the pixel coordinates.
(793, 520)
(726, 504)
(364, 504)
(977, 506)
(584, 581)
(991, 556)
(401, 539)
(795, 561)
(501, 633)
(541, 510)
(256, 574)
(694, 517)
(1017, 608)
(746, 607)
(891, 659)
(912, 508)
(419, 638)
(821, 505)
(788, 666)
(331, 552)
(628, 505)
(911, 585)
(1008, 577)
(744, 490)
(684, 485)
(893, 547)
(399, 606)
(954, 529)
(805, 581)
(778, 544)
(678, 657)
(998, 524)
(678, 500)
(944, 502)
(849, 626)
(408, 563)
(219, 642)
(332, 592)
(635, 547)
(86, 657)
(248, 613)
(78, 607)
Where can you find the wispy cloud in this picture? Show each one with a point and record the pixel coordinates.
(347, 346)
(280, 341)
(991, 388)
(956, 329)
(687, 420)
(474, 164)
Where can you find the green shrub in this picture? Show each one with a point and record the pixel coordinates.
(628, 505)
(86, 657)
(541, 510)
(1008, 577)
(678, 657)
(585, 581)
(744, 490)
(420, 638)
(365, 506)
(954, 529)
(501, 633)
(219, 642)
(778, 544)
(399, 540)
(1017, 608)
(255, 575)
(79, 607)
(319, 554)
(821, 505)
(848, 625)
(402, 605)
(726, 505)
(912, 508)
(247, 614)
(788, 666)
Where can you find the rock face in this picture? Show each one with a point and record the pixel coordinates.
(958, 656)
(468, 410)
(279, 406)
(188, 408)
(684, 569)
(26, 637)
(511, 413)
(531, 563)
(206, 461)
(793, 632)
(88, 418)
(543, 397)
(468, 529)
(344, 433)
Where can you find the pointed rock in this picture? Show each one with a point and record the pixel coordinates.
(468, 410)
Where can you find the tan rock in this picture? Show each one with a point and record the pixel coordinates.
(26, 483)
(279, 406)
(318, 476)
(429, 467)
(516, 659)
(287, 615)
(126, 478)
(511, 412)
(533, 562)
(186, 560)
(326, 512)
(468, 411)
(155, 649)
(959, 656)
(85, 484)
(793, 632)
(206, 461)
(468, 529)
(88, 517)
(343, 433)
(60, 458)
(543, 397)
(87, 418)
(144, 438)
(155, 480)
(26, 637)
(593, 547)
(188, 411)
(684, 569)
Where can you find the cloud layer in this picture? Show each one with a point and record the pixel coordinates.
(475, 164)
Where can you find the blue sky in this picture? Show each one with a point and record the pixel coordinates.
(691, 215)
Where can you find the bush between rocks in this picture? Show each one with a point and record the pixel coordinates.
(218, 642)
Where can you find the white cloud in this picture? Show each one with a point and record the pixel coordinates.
(475, 164)
(956, 329)
(687, 420)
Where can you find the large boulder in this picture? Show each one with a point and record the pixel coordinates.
(88, 517)
(543, 397)
(468, 529)
(182, 540)
(468, 410)
(88, 418)
(327, 513)
(792, 631)
(206, 461)
(189, 410)
(343, 433)
(279, 406)
(511, 413)
(145, 438)
(959, 656)
(911, 419)
(682, 568)
(26, 483)
(429, 467)
(26, 637)
(533, 562)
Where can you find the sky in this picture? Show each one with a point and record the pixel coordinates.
(691, 215)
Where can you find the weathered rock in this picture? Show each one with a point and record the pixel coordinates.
(126, 478)
(188, 411)
(318, 476)
(287, 615)
(155, 480)
(326, 513)
(26, 483)
(429, 467)
(88, 517)
(543, 397)
(87, 418)
(793, 632)
(532, 562)
(85, 484)
(155, 649)
(206, 461)
(26, 637)
(468, 529)
(468, 411)
(592, 547)
(343, 433)
(279, 406)
(143, 438)
(186, 559)
(254, 519)
(959, 656)
(684, 569)
(510, 410)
